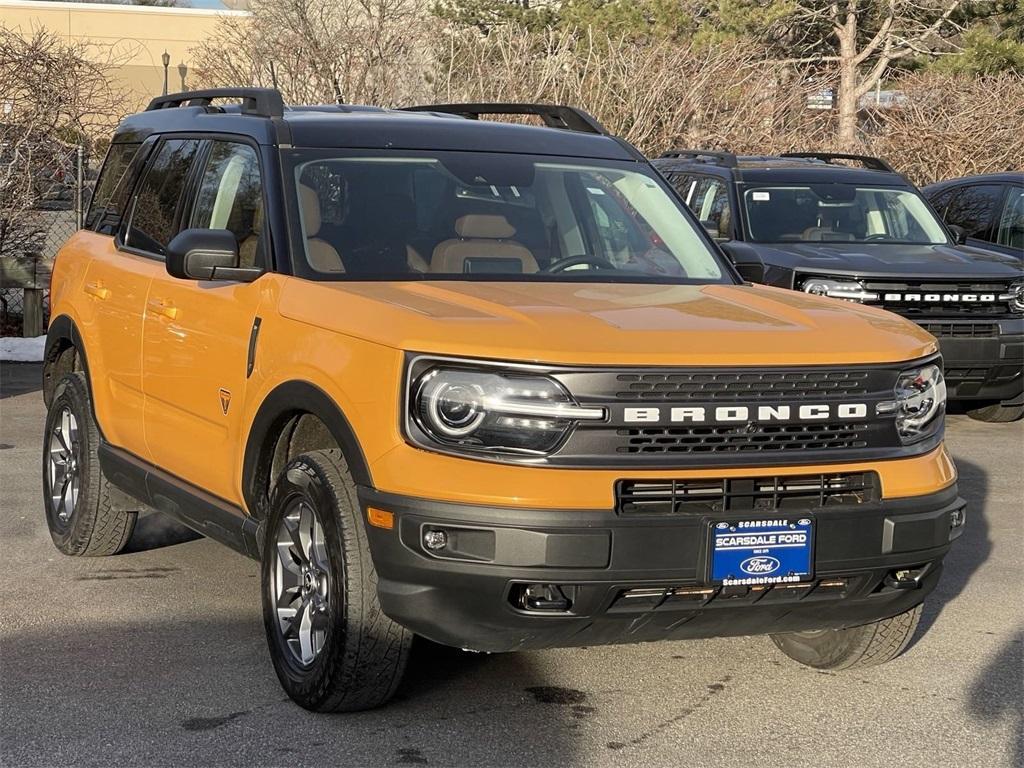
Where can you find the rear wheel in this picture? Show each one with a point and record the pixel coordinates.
(996, 413)
(331, 645)
(80, 512)
(863, 646)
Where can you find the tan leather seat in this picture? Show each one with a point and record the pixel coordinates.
(321, 255)
(482, 237)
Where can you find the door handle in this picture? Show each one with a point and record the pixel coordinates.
(97, 290)
(164, 308)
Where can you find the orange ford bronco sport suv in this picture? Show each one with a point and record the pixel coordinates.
(487, 383)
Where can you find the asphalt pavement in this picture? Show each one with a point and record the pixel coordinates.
(157, 657)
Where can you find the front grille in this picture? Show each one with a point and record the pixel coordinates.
(942, 307)
(752, 385)
(745, 416)
(759, 494)
(962, 330)
(767, 438)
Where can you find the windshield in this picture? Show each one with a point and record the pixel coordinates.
(482, 216)
(839, 213)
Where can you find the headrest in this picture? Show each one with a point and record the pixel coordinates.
(310, 204)
(484, 227)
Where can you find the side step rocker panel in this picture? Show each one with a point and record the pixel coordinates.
(189, 505)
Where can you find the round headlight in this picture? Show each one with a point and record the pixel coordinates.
(920, 402)
(1017, 296)
(455, 409)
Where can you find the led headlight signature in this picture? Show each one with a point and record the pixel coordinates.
(495, 412)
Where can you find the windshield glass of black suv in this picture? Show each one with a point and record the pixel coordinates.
(787, 213)
(482, 216)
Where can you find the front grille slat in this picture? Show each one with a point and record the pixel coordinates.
(732, 386)
(760, 494)
(962, 330)
(734, 439)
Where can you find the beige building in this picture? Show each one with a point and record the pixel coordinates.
(135, 37)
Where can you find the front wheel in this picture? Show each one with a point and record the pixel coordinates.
(332, 647)
(863, 646)
(996, 413)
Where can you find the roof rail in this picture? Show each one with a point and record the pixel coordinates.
(262, 102)
(553, 115)
(728, 159)
(871, 163)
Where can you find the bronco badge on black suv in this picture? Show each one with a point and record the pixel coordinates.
(486, 383)
(866, 235)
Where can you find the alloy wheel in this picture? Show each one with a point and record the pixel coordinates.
(64, 471)
(300, 587)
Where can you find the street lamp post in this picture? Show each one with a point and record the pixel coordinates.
(167, 62)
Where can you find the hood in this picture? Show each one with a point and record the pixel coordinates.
(901, 261)
(607, 324)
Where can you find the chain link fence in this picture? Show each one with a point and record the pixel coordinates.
(31, 235)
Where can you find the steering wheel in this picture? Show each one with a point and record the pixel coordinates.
(598, 262)
(878, 236)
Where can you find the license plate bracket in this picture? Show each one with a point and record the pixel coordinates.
(752, 551)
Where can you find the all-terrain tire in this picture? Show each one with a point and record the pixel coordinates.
(364, 653)
(863, 646)
(94, 525)
(996, 413)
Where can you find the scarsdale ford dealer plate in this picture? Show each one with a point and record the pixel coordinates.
(749, 552)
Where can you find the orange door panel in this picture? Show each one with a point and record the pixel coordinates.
(195, 350)
(115, 289)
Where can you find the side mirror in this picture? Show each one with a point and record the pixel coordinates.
(206, 254)
(747, 263)
(959, 234)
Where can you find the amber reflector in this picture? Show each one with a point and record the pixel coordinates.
(379, 518)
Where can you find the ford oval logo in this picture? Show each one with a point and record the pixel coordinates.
(759, 566)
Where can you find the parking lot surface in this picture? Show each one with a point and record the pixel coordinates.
(157, 657)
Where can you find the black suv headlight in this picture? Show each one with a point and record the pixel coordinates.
(850, 290)
(920, 403)
(1015, 296)
(466, 409)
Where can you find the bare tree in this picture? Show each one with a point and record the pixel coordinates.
(318, 51)
(52, 97)
(863, 39)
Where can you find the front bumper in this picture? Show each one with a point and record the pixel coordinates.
(982, 367)
(640, 579)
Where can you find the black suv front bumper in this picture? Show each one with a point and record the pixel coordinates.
(979, 364)
(640, 579)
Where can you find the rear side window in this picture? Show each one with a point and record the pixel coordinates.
(110, 200)
(230, 198)
(972, 208)
(158, 203)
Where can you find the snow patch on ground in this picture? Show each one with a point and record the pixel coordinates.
(18, 350)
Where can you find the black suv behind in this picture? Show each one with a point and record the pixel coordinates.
(989, 208)
(864, 233)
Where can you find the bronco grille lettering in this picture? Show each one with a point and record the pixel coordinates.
(940, 298)
(744, 413)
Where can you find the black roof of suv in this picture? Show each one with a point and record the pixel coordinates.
(376, 127)
(864, 233)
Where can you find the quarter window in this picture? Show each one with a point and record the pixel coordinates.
(230, 198)
(973, 208)
(158, 203)
(112, 190)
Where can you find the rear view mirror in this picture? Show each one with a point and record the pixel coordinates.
(207, 254)
(959, 234)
